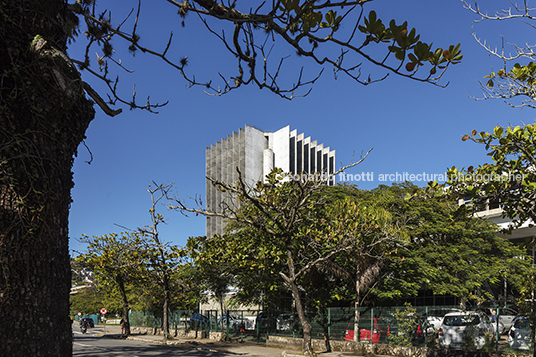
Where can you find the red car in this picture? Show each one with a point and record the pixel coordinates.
(364, 334)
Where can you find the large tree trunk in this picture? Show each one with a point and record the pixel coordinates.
(322, 311)
(126, 307)
(165, 318)
(357, 316)
(43, 118)
(365, 278)
(306, 326)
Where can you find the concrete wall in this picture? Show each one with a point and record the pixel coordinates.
(255, 153)
(365, 349)
(215, 336)
(255, 143)
(279, 143)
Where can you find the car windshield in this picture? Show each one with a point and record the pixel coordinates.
(436, 313)
(522, 324)
(461, 320)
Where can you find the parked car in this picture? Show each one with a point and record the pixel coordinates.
(407, 328)
(265, 322)
(235, 322)
(364, 333)
(463, 330)
(198, 321)
(498, 325)
(423, 330)
(519, 334)
(89, 321)
(434, 318)
(507, 317)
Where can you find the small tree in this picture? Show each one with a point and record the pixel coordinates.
(116, 261)
(212, 271)
(163, 259)
(407, 322)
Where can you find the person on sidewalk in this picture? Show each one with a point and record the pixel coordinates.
(122, 324)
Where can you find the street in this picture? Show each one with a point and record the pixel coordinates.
(93, 343)
(105, 341)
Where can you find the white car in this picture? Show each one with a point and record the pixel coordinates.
(519, 334)
(435, 318)
(506, 317)
(464, 330)
(235, 322)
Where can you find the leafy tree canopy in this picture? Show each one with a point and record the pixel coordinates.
(507, 182)
(261, 36)
(510, 179)
(376, 246)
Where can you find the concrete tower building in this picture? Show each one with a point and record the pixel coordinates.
(255, 153)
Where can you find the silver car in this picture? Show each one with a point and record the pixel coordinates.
(506, 317)
(464, 330)
(519, 334)
(435, 318)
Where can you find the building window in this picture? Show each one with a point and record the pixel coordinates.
(292, 155)
(299, 154)
(306, 158)
(313, 169)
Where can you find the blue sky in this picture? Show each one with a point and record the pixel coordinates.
(412, 127)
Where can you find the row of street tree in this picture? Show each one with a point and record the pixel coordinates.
(323, 245)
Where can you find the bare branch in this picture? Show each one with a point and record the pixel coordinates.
(508, 84)
(100, 102)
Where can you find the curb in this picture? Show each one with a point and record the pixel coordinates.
(188, 344)
(192, 344)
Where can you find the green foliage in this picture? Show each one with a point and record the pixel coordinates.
(127, 273)
(88, 301)
(402, 42)
(524, 75)
(374, 26)
(286, 231)
(510, 178)
(448, 251)
(395, 239)
(310, 18)
(209, 272)
(114, 257)
(117, 261)
(457, 256)
(406, 321)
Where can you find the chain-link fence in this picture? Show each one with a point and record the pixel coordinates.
(493, 329)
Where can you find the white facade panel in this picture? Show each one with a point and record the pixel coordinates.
(255, 153)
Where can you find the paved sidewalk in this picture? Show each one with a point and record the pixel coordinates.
(242, 349)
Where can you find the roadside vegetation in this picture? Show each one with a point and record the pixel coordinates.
(323, 246)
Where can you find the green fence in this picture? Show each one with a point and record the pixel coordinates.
(405, 325)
